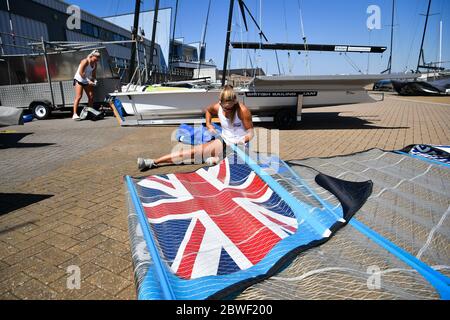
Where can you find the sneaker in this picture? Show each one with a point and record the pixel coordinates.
(145, 164)
(212, 161)
(76, 117)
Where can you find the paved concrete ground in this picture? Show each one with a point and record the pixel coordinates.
(62, 196)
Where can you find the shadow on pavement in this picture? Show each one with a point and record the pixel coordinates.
(10, 202)
(64, 114)
(335, 121)
(12, 140)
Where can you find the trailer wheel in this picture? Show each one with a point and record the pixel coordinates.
(41, 111)
(285, 119)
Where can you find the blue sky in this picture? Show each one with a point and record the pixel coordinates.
(325, 22)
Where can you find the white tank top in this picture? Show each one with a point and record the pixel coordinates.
(88, 72)
(232, 130)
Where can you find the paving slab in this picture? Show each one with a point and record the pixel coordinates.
(62, 192)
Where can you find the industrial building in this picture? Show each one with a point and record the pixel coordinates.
(47, 20)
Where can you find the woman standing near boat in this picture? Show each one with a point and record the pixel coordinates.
(237, 128)
(85, 80)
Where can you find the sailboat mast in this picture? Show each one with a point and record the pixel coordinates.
(134, 36)
(227, 42)
(202, 44)
(440, 44)
(389, 69)
(155, 24)
(172, 51)
(421, 55)
(305, 42)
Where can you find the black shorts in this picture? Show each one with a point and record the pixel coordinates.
(75, 82)
(226, 149)
(224, 146)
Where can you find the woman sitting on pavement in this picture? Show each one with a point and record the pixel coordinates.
(237, 128)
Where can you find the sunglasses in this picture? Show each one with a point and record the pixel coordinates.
(228, 105)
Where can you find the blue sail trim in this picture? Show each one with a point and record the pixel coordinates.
(159, 265)
(295, 205)
(423, 159)
(437, 280)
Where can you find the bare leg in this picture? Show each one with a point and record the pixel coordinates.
(78, 97)
(211, 149)
(90, 94)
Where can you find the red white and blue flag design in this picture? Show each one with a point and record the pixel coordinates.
(218, 230)
(215, 221)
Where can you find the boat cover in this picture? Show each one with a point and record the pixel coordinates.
(193, 135)
(10, 116)
(422, 88)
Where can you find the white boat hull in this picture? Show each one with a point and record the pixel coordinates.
(266, 95)
(167, 103)
(194, 103)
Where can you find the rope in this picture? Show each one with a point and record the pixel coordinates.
(302, 27)
(415, 21)
(287, 37)
(353, 64)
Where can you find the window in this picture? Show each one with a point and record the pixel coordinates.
(89, 29)
(96, 31)
(102, 34)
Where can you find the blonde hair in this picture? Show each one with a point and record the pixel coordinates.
(94, 53)
(228, 94)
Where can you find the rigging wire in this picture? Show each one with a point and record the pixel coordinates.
(117, 8)
(446, 14)
(261, 34)
(368, 55)
(351, 62)
(233, 39)
(242, 38)
(248, 57)
(202, 46)
(255, 59)
(287, 38)
(110, 7)
(439, 51)
(397, 26)
(417, 24)
(302, 27)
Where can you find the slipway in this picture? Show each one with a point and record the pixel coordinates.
(254, 227)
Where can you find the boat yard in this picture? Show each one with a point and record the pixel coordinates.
(66, 223)
(316, 176)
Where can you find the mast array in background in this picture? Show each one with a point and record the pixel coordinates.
(227, 42)
(134, 36)
(202, 44)
(172, 49)
(389, 67)
(155, 25)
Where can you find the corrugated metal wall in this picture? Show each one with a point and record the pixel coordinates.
(57, 5)
(35, 29)
(22, 26)
(113, 50)
(62, 7)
